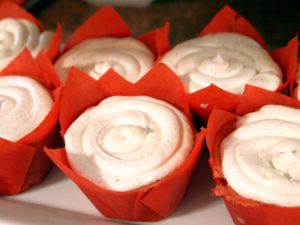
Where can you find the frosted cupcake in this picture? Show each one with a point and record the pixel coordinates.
(131, 147)
(254, 158)
(228, 55)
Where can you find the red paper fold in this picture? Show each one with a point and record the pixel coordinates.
(220, 124)
(287, 58)
(157, 40)
(18, 1)
(228, 20)
(292, 75)
(106, 22)
(23, 163)
(148, 203)
(9, 9)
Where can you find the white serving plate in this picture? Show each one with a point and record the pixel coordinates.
(58, 201)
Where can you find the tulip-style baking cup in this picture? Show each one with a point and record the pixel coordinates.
(23, 163)
(10, 9)
(148, 203)
(228, 20)
(107, 23)
(220, 124)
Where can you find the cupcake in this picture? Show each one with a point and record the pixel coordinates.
(20, 30)
(94, 48)
(255, 157)
(228, 55)
(29, 116)
(128, 145)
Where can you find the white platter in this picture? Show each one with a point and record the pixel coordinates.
(58, 201)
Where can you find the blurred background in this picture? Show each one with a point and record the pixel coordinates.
(277, 20)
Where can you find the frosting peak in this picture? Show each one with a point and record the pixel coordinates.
(100, 68)
(213, 66)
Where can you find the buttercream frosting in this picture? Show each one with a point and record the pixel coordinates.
(127, 56)
(227, 60)
(17, 34)
(124, 143)
(261, 158)
(24, 103)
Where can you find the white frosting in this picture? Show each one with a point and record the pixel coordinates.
(227, 60)
(127, 56)
(127, 142)
(16, 34)
(261, 158)
(24, 103)
(297, 89)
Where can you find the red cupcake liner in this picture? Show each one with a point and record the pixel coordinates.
(228, 20)
(9, 9)
(19, 2)
(293, 83)
(149, 203)
(106, 22)
(23, 163)
(220, 124)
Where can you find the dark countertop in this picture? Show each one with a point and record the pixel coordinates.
(278, 21)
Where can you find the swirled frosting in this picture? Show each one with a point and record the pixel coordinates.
(16, 34)
(127, 142)
(227, 60)
(261, 158)
(127, 56)
(297, 89)
(24, 103)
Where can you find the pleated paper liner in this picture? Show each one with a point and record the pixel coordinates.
(220, 124)
(227, 20)
(106, 22)
(9, 9)
(148, 203)
(24, 163)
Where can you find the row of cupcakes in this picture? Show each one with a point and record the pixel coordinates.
(83, 99)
